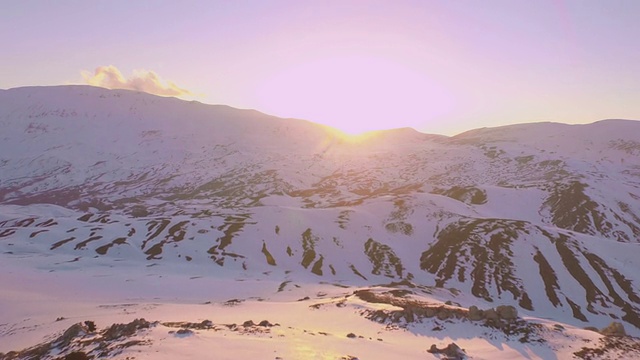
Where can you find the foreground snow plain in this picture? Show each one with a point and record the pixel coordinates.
(44, 294)
(119, 295)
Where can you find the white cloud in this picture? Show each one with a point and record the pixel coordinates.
(141, 80)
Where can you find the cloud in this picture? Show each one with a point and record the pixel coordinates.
(141, 80)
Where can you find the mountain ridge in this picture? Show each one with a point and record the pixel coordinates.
(517, 215)
(47, 88)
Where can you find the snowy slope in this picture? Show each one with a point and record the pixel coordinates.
(98, 183)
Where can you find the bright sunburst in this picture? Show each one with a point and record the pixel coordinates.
(355, 94)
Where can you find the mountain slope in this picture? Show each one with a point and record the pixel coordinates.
(543, 216)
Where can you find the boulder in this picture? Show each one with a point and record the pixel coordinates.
(475, 314)
(491, 314)
(443, 314)
(76, 355)
(416, 310)
(452, 351)
(614, 329)
(71, 333)
(507, 312)
(206, 323)
(184, 332)
(120, 330)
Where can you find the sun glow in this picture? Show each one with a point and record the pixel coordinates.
(355, 138)
(354, 94)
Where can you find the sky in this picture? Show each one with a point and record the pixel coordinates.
(441, 67)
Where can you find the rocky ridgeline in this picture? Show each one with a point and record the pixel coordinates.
(504, 317)
(500, 317)
(84, 341)
(78, 337)
(615, 344)
(613, 329)
(413, 310)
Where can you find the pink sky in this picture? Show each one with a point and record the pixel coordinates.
(438, 66)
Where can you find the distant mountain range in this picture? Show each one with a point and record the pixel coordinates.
(542, 216)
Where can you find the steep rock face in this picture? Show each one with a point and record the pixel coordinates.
(480, 249)
(543, 216)
(570, 207)
(384, 260)
(468, 194)
(482, 252)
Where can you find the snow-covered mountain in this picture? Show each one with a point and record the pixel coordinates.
(544, 216)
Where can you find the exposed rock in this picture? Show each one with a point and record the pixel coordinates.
(248, 323)
(71, 333)
(119, 330)
(610, 347)
(396, 316)
(379, 316)
(408, 315)
(614, 329)
(443, 314)
(233, 302)
(430, 312)
(467, 195)
(491, 314)
(475, 314)
(265, 323)
(452, 351)
(507, 312)
(351, 335)
(206, 323)
(75, 338)
(91, 326)
(77, 355)
(184, 332)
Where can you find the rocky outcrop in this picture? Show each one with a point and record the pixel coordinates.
(614, 329)
(507, 312)
(467, 194)
(451, 351)
(103, 344)
(383, 259)
(415, 310)
(479, 251)
(123, 330)
(475, 314)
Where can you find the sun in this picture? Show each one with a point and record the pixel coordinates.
(355, 94)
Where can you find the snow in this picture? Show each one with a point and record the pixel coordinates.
(119, 295)
(92, 180)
